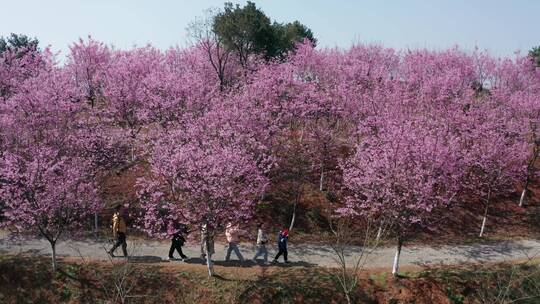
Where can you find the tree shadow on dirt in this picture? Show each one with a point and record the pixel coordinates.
(478, 253)
(483, 252)
(145, 259)
(318, 250)
(32, 281)
(249, 263)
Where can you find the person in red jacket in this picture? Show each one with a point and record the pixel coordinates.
(282, 245)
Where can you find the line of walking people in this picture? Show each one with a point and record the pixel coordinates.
(232, 234)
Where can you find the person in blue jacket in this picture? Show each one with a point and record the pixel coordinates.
(282, 245)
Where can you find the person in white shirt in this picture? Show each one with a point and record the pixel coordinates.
(262, 239)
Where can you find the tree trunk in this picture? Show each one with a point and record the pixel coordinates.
(297, 199)
(483, 226)
(209, 263)
(348, 297)
(380, 231)
(485, 214)
(132, 152)
(522, 198)
(53, 256)
(293, 217)
(530, 171)
(525, 189)
(322, 178)
(395, 267)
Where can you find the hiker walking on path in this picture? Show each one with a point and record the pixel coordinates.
(177, 242)
(282, 245)
(262, 239)
(232, 233)
(119, 231)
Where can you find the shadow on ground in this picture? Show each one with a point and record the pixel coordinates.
(145, 259)
(479, 253)
(249, 263)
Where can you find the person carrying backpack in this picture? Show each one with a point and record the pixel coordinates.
(262, 239)
(119, 230)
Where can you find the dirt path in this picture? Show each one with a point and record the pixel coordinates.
(301, 255)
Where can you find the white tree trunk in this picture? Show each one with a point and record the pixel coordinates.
(395, 267)
(485, 214)
(293, 218)
(209, 263)
(526, 187)
(348, 297)
(483, 226)
(379, 232)
(53, 256)
(522, 198)
(297, 200)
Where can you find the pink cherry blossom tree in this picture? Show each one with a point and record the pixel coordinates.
(89, 61)
(408, 162)
(201, 177)
(495, 154)
(46, 185)
(17, 65)
(281, 101)
(178, 88)
(43, 112)
(518, 83)
(406, 173)
(47, 193)
(124, 90)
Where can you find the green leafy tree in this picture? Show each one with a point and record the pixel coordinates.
(247, 31)
(534, 53)
(286, 36)
(17, 41)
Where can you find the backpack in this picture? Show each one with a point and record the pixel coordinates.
(264, 238)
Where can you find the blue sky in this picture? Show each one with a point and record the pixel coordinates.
(502, 27)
